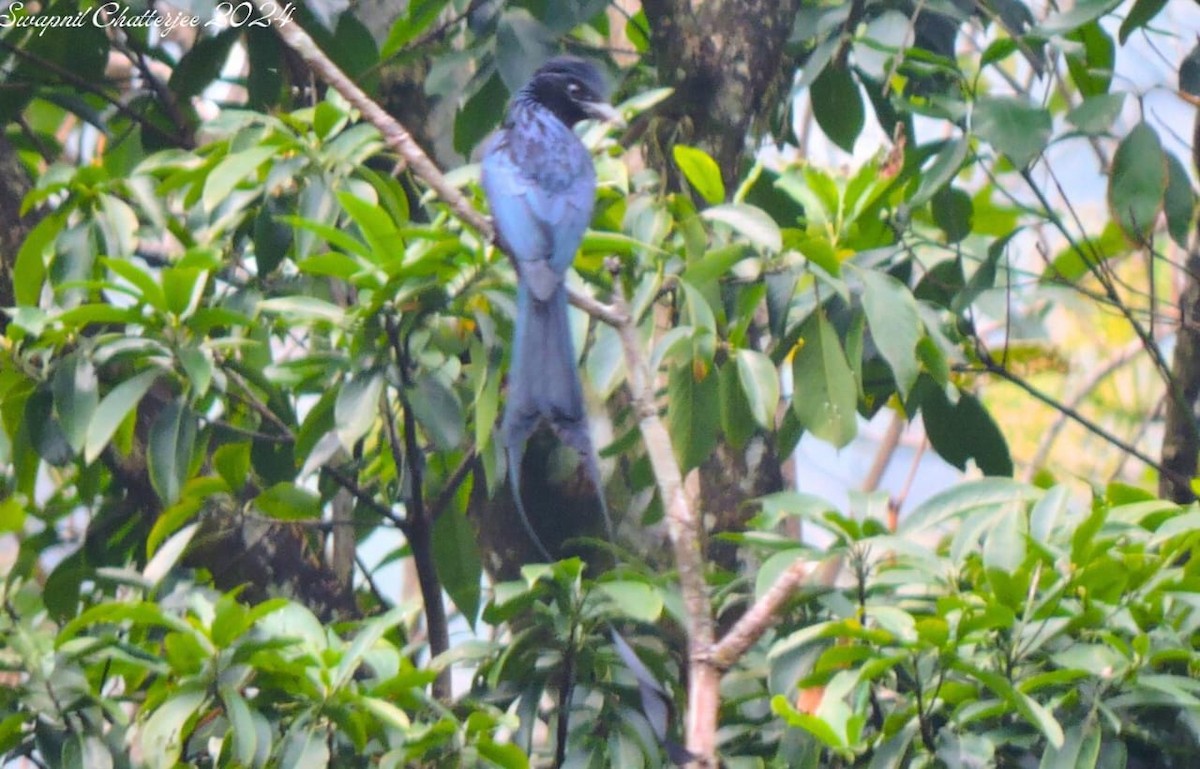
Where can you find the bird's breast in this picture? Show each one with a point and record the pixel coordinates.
(550, 155)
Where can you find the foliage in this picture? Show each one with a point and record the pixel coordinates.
(1001, 625)
(248, 322)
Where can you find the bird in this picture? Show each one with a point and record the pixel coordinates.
(540, 185)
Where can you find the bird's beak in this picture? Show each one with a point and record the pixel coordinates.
(604, 112)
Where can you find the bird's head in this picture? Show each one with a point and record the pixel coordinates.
(573, 89)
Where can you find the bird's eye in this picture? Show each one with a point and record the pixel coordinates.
(574, 88)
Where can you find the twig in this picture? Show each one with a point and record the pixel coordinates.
(450, 488)
(75, 81)
(991, 367)
(420, 525)
(887, 449)
(383, 511)
(750, 627)
(1076, 399)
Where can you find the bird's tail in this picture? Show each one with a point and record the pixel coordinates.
(543, 383)
(543, 380)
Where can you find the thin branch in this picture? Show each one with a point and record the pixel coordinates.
(887, 449)
(420, 525)
(383, 511)
(1076, 399)
(750, 627)
(993, 368)
(450, 488)
(70, 78)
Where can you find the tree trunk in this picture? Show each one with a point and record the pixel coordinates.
(14, 185)
(727, 61)
(1181, 437)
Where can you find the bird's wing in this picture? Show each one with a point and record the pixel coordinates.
(541, 203)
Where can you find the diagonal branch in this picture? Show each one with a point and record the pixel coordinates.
(750, 627)
(399, 139)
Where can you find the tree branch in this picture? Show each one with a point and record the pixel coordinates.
(683, 528)
(765, 611)
(992, 367)
(420, 525)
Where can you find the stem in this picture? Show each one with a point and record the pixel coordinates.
(420, 524)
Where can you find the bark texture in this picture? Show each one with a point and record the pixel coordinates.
(727, 61)
(14, 185)
(1181, 436)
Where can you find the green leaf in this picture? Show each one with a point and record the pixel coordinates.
(1139, 16)
(304, 308)
(895, 325)
(1179, 202)
(637, 600)
(241, 725)
(693, 410)
(826, 395)
(952, 211)
(964, 498)
(387, 713)
(29, 270)
(113, 410)
(963, 431)
(198, 365)
(505, 755)
(357, 407)
(147, 287)
(418, 17)
(161, 736)
(1189, 73)
(288, 502)
(376, 226)
(701, 171)
(76, 395)
(456, 553)
(12, 515)
(165, 557)
(1091, 64)
(1138, 182)
(1017, 129)
(202, 64)
(751, 222)
(305, 746)
(736, 419)
(760, 383)
(945, 166)
(183, 288)
(1048, 514)
(1082, 12)
(1096, 114)
(1004, 548)
(837, 106)
(232, 169)
(370, 633)
(522, 44)
(1033, 711)
(232, 463)
(438, 410)
(169, 450)
(478, 115)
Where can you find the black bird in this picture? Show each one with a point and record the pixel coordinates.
(541, 186)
